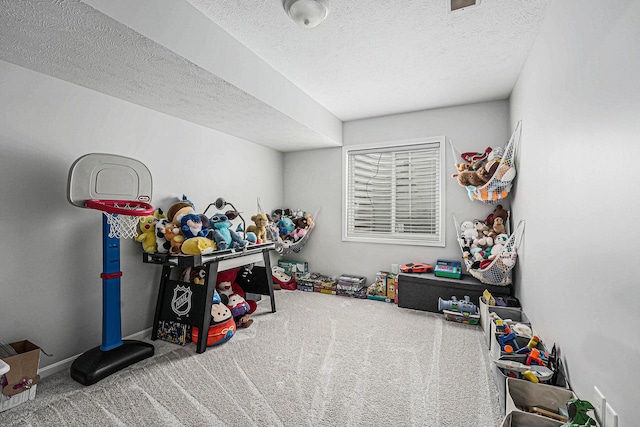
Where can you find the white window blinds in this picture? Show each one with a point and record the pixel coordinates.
(394, 193)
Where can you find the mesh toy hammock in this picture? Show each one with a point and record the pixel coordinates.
(496, 189)
(499, 271)
(285, 247)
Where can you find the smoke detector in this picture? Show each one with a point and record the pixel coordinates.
(462, 4)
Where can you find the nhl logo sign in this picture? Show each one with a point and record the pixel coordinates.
(181, 301)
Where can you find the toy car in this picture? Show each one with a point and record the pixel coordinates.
(416, 267)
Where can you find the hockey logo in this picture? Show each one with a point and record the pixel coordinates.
(181, 302)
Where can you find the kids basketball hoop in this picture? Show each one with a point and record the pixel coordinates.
(122, 215)
(120, 187)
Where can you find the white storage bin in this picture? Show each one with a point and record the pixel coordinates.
(522, 394)
(524, 419)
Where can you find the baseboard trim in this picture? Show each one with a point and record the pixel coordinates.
(64, 365)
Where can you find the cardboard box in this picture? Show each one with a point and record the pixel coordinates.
(174, 332)
(19, 382)
(391, 286)
(293, 268)
(381, 283)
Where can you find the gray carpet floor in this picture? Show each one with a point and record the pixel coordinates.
(320, 360)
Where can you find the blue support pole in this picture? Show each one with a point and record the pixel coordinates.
(111, 316)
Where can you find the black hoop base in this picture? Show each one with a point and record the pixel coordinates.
(94, 365)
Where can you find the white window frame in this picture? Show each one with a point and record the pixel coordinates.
(437, 239)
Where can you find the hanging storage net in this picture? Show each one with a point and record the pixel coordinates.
(488, 176)
(287, 231)
(496, 271)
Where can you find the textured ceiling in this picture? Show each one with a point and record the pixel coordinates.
(378, 57)
(369, 58)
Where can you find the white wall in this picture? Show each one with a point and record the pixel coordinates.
(51, 255)
(313, 179)
(579, 99)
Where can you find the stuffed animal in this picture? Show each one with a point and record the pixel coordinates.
(191, 226)
(497, 212)
(174, 208)
(228, 288)
(259, 227)
(482, 241)
(498, 228)
(193, 275)
(173, 234)
(162, 245)
(500, 242)
(147, 233)
(310, 222)
(476, 178)
(302, 226)
(468, 233)
(198, 246)
(285, 227)
(223, 235)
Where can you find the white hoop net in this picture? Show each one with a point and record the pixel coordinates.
(122, 226)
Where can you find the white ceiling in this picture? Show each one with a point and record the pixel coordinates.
(244, 68)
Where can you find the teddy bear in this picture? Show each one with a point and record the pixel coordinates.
(259, 227)
(476, 178)
(498, 228)
(499, 211)
(173, 234)
(223, 235)
(229, 289)
(482, 241)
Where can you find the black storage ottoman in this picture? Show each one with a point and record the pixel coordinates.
(421, 291)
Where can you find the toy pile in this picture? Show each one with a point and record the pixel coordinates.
(483, 240)
(289, 229)
(489, 251)
(488, 176)
(184, 231)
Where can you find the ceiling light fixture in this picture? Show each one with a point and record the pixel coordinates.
(307, 13)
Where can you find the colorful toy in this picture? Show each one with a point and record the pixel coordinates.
(162, 245)
(147, 234)
(191, 226)
(198, 246)
(222, 328)
(509, 339)
(416, 267)
(223, 235)
(454, 304)
(174, 236)
(541, 373)
(259, 227)
(227, 285)
(285, 227)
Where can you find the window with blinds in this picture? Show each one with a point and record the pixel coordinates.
(394, 193)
